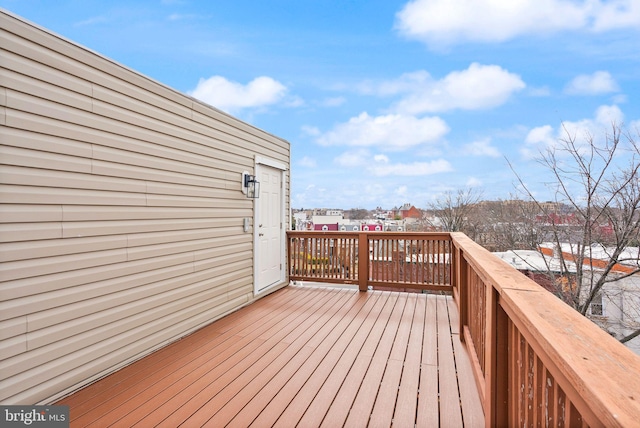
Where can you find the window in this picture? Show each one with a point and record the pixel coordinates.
(596, 308)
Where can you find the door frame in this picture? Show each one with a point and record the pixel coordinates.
(264, 161)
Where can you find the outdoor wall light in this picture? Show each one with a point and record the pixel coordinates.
(250, 186)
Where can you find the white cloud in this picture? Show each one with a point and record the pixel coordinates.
(381, 158)
(542, 91)
(611, 15)
(413, 169)
(308, 162)
(92, 21)
(538, 140)
(442, 23)
(481, 148)
(233, 96)
(401, 191)
(600, 82)
(391, 132)
(545, 137)
(477, 87)
(294, 101)
(407, 82)
(380, 165)
(181, 17)
(540, 135)
(353, 158)
(310, 130)
(619, 99)
(606, 115)
(474, 182)
(333, 102)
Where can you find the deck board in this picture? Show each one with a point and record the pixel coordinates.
(428, 410)
(387, 397)
(450, 410)
(405, 410)
(303, 356)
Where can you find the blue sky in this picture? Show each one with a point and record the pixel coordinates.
(384, 102)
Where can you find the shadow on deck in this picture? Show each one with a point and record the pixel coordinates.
(305, 356)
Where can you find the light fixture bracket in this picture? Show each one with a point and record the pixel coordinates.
(250, 186)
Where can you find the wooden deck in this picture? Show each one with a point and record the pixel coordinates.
(303, 356)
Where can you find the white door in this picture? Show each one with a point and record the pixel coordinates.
(270, 228)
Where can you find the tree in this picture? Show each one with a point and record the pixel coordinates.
(508, 225)
(599, 180)
(357, 214)
(454, 211)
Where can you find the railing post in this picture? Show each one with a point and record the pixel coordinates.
(363, 261)
(462, 280)
(288, 260)
(496, 358)
(501, 384)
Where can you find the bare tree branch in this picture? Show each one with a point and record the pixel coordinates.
(603, 193)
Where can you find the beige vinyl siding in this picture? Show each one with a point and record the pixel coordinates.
(121, 214)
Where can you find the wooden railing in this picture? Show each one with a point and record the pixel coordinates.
(536, 361)
(389, 259)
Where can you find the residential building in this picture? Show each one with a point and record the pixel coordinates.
(372, 226)
(349, 225)
(325, 227)
(394, 226)
(325, 222)
(300, 220)
(409, 213)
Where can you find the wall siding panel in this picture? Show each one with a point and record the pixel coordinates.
(56, 247)
(38, 159)
(13, 327)
(121, 214)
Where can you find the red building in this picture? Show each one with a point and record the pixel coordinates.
(325, 227)
(409, 211)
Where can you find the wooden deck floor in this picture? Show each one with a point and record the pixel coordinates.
(303, 357)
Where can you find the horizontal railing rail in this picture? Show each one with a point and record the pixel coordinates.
(536, 361)
(379, 259)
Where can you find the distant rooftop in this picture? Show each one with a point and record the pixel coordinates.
(532, 260)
